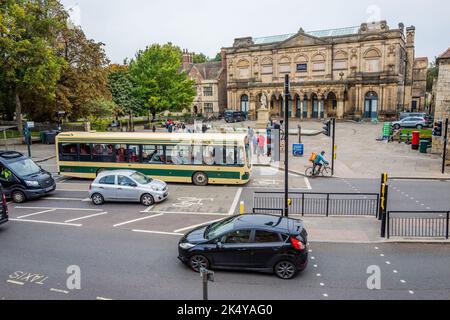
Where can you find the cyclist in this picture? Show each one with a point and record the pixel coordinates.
(319, 162)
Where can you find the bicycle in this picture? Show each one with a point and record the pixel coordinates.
(325, 171)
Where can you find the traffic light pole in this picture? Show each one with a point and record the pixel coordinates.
(286, 145)
(333, 151)
(444, 155)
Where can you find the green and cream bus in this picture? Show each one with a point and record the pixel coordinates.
(200, 159)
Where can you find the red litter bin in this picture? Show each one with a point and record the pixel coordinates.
(415, 140)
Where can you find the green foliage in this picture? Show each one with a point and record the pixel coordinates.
(100, 108)
(158, 82)
(432, 74)
(199, 57)
(217, 58)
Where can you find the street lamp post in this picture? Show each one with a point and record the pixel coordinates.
(286, 145)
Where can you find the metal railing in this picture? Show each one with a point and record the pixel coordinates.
(318, 204)
(418, 224)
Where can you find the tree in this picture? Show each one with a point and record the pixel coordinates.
(432, 74)
(122, 91)
(217, 58)
(29, 66)
(158, 80)
(100, 108)
(199, 57)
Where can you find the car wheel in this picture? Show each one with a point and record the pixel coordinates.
(397, 127)
(285, 270)
(18, 197)
(147, 200)
(198, 262)
(97, 199)
(419, 127)
(200, 179)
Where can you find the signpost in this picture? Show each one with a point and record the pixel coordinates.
(27, 135)
(298, 150)
(286, 144)
(444, 155)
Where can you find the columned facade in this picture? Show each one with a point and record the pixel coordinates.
(355, 72)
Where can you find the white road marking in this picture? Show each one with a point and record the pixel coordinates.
(101, 298)
(411, 292)
(48, 222)
(308, 184)
(319, 275)
(57, 208)
(15, 282)
(312, 258)
(402, 281)
(148, 209)
(237, 197)
(59, 291)
(325, 295)
(86, 200)
(136, 220)
(395, 271)
(73, 190)
(158, 232)
(381, 255)
(376, 248)
(388, 262)
(193, 213)
(36, 213)
(63, 199)
(195, 226)
(87, 217)
(315, 266)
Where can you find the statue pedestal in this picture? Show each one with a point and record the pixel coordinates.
(263, 118)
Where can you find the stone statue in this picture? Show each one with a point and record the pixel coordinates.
(263, 101)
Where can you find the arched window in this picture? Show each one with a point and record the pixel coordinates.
(244, 103)
(267, 66)
(318, 62)
(284, 65)
(243, 69)
(372, 59)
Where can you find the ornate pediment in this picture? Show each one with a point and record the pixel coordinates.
(301, 39)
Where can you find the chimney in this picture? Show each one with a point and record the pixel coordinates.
(223, 55)
(187, 59)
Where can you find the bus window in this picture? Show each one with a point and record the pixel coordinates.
(152, 154)
(133, 153)
(231, 156)
(179, 154)
(68, 152)
(208, 155)
(103, 152)
(85, 152)
(240, 157)
(218, 156)
(121, 153)
(197, 155)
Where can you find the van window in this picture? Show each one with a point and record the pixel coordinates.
(25, 167)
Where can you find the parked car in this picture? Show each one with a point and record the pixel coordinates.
(411, 122)
(234, 116)
(264, 243)
(22, 179)
(427, 117)
(127, 186)
(3, 207)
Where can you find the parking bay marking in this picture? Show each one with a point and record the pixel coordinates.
(55, 208)
(48, 222)
(87, 217)
(136, 220)
(158, 232)
(36, 213)
(195, 226)
(237, 197)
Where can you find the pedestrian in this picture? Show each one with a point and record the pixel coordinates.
(261, 144)
(154, 128)
(255, 143)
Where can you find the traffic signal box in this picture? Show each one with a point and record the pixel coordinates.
(327, 128)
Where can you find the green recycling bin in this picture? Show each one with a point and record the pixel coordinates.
(423, 146)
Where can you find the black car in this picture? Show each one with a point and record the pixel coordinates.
(235, 116)
(3, 208)
(265, 243)
(22, 179)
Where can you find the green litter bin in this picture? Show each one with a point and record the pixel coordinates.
(423, 146)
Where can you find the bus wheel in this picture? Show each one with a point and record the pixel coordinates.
(18, 196)
(200, 179)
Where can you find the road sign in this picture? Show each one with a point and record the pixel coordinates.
(298, 150)
(30, 124)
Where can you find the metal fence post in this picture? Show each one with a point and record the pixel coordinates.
(384, 213)
(388, 225)
(328, 204)
(448, 222)
(303, 204)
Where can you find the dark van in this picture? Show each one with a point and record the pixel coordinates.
(22, 179)
(3, 208)
(235, 116)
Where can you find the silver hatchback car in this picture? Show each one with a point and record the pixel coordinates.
(127, 186)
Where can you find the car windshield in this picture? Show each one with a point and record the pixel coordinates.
(24, 167)
(141, 178)
(219, 228)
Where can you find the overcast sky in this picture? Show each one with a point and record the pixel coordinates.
(126, 26)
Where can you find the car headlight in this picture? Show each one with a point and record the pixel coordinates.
(32, 183)
(156, 189)
(186, 246)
